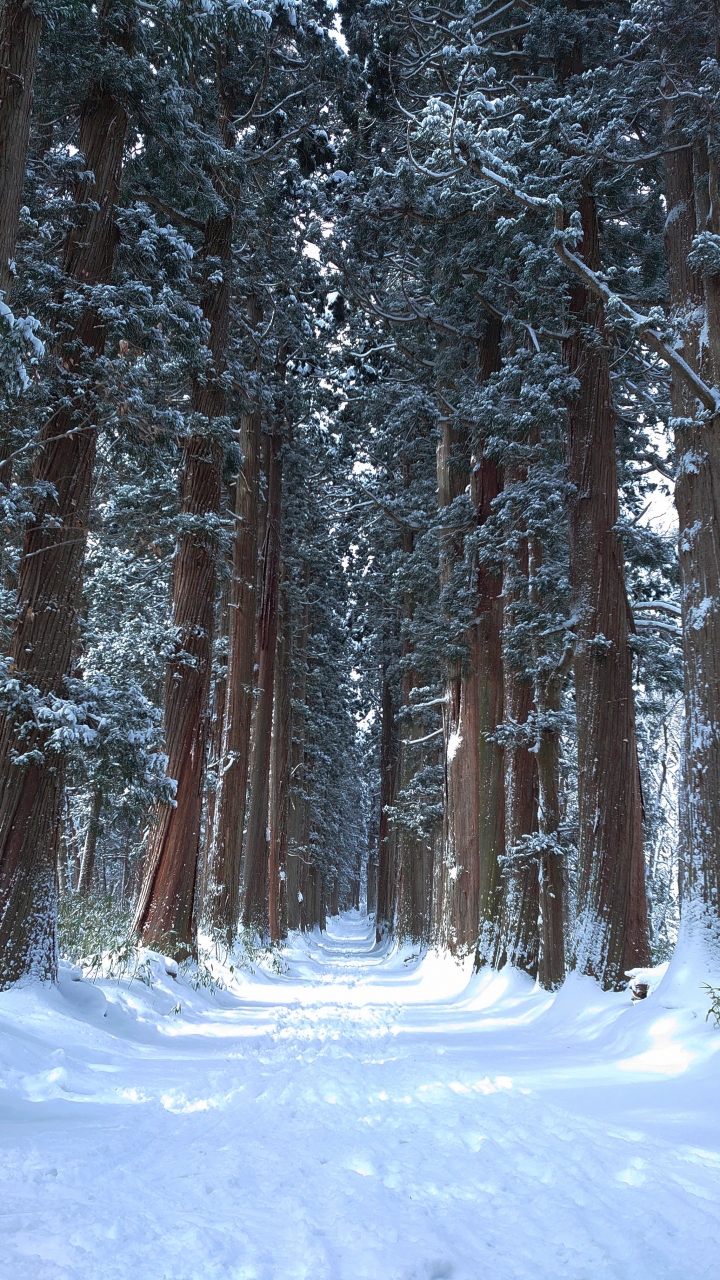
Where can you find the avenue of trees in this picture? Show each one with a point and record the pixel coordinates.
(351, 358)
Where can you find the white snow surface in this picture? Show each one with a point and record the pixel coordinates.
(367, 1113)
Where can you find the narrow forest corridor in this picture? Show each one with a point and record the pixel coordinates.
(363, 1113)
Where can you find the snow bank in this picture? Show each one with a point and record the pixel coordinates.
(364, 1112)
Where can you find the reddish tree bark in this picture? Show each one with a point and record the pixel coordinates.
(387, 853)
(474, 802)
(414, 851)
(457, 876)
(692, 190)
(50, 574)
(372, 881)
(20, 27)
(255, 876)
(518, 941)
(231, 799)
(487, 483)
(164, 911)
(280, 783)
(297, 805)
(216, 736)
(612, 910)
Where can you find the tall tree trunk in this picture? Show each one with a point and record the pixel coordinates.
(231, 800)
(20, 27)
(50, 574)
(487, 483)
(551, 963)
(474, 795)
(255, 878)
(387, 854)
(692, 192)
(611, 933)
(371, 889)
(414, 851)
(297, 851)
(518, 941)
(280, 782)
(456, 892)
(216, 734)
(88, 859)
(164, 912)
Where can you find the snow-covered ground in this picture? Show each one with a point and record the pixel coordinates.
(363, 1114)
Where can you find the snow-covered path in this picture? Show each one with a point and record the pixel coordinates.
(363, 1114)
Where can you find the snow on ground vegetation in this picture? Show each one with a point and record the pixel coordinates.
(364, 1112)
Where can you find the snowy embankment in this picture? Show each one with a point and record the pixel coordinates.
(364, 1114)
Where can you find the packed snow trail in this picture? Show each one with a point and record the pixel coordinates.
(363, 1114)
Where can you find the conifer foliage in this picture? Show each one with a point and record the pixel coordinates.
(351, 357)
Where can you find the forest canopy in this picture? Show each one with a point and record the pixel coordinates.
(359, 475)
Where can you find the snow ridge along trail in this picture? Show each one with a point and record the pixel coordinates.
(364, 1114)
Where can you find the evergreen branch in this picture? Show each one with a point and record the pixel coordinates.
(708, 396)
(173, 215)
(414, 742)
(404, 524)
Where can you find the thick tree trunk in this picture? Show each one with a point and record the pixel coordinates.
(20, 27)
(474, 794)
(692, 194)
(372, 881)
(551, 964)
(611, 934)
(297, 849)
(280, 782)
(255, 878)
(88, 859)
(164, 912)
(487, 484)
(50, 575)
(414, 851)
(216, 735)
(518, 941)
(231, 800)
(387, 852)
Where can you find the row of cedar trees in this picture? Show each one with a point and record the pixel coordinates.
(456, 892)
(459, 888)
(462, 888)
(253, 746)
